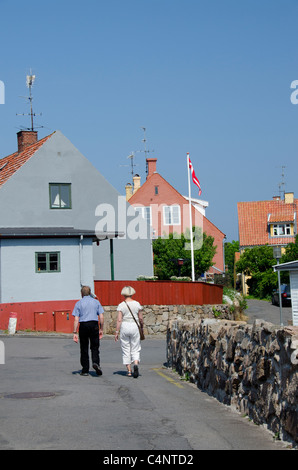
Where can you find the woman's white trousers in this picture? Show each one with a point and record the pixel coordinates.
(130, 342)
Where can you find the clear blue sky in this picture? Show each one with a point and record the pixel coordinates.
(211, 78)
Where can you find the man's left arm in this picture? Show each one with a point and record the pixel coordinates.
(100, 312)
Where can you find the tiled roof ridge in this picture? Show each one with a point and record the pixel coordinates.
(38, 144)
(13, 162)
(269, 201)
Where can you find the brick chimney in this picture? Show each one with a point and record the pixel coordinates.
(26, 138)
(151, 166)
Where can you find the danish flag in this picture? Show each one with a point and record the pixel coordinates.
(193, 175)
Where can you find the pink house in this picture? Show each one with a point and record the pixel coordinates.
(168, 211)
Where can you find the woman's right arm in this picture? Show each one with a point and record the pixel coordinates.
(119, 321)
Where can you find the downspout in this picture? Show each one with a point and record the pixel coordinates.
(223, 254)
(112, 259)
(81, 258)
(0, 275)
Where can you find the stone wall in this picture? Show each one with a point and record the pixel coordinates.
(253, 368)
(157, 317)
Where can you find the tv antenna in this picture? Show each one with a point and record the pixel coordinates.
(281, 185)
(145, 149)
(132, 163)
(132, 155)
(30, 79)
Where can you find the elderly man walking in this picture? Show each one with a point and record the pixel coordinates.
(88, 315)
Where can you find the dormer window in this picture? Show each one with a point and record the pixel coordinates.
(281, 229)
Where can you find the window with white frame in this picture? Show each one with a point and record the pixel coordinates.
(281, 229)
(171, 215)
(145, 212)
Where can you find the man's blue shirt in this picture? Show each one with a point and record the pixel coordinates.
(87, 309)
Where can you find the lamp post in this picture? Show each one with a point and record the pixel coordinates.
(277, 256)
(180, 262)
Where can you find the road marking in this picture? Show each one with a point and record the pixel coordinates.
(172, 381)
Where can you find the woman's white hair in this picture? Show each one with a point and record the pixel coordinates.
(128, 291)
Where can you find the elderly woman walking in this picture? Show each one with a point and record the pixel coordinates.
(129, 314)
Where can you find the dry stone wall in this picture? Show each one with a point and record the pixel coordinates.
(253, 368)
(157, 317)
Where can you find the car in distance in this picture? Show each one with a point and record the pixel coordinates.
(285, 295)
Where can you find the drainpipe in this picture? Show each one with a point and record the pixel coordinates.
(81, 258)
(0, 275)
(223, 253)
(112, 259)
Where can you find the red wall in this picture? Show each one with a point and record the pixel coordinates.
(40, 316)
(210, 229)
(57, 315)
(160, 292)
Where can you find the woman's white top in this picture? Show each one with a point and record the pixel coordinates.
(135, 307)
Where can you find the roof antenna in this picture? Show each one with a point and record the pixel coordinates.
(132, 163)
(30, 79)
(282, 183)
(145, 150)
(132, 157)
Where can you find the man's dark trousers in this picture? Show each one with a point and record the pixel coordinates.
(89, 331)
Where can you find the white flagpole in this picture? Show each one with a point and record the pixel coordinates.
(190, 222)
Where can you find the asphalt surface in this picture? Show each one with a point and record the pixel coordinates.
(264, 310)
(46, 405)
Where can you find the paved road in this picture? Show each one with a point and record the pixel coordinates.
(261, 309)
(155, 412)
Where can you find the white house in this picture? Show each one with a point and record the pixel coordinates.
(292, 267)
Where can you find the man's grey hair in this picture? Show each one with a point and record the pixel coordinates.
(85, 291)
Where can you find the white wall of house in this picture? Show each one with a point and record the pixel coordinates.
(294, 296)
(19, 281)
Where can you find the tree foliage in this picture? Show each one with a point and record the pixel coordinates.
(230, 249)
(257, 263)
(291, 252)
(168, 250)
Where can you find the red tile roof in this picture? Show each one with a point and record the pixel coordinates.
(253, 219)
(12, 163)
